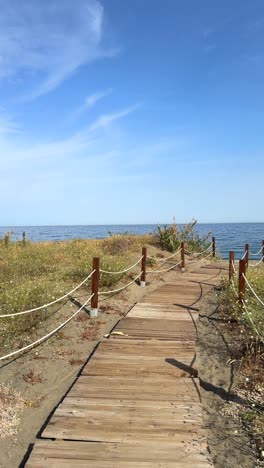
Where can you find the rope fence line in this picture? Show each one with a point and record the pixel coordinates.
(258, 263)
(164, 271)
(244, 256)
(257, 253)
(102, 293)
(164, 260)
(123, 271)
(200, 253)
(44, 306)
(252, 321)
(252, 290)
(44, 338)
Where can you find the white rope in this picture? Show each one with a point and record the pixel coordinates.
(40, 340)
(50, 303)
(209, 255)
(258, 263)
(163, 271)
(257, 253)
(233, 266)
(252, 290)
(233, 285)
(123, 271)
(164, 260)
(250, 318)
(119, 289)
(244, 256)
(199, 253)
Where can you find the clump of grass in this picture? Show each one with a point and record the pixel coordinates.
(170, 237)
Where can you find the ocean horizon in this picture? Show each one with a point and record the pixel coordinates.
(229, 236)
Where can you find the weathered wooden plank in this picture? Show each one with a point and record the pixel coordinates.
(158, 388)
(67, 454)
(162, 312)
(168, 330)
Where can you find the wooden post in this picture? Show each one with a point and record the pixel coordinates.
(182, 256)
(213, 246)
(143, 267)
(241, 280)
(247, 254)
(95, 282)
(231, 264)
(263, 250)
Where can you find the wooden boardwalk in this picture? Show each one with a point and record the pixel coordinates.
(136, 403)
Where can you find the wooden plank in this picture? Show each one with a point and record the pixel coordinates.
(66, 454)
(138, 328)
(127, 429)
(158, 388)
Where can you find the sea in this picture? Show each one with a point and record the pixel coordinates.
(229, 236)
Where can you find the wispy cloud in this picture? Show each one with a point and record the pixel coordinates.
(90, 101)
(107, 119)
(7, 125)
(49, 39)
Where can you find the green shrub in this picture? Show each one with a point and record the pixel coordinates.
(170, 237)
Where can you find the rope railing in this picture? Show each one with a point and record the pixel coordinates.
(44, 306)
(165, 270)
(256, 264)
(257, 253)
(164, 260)
(243, 284)
(44, 338)
(252, 289)
(102, 293)
(244, 256)
(234, 268)
(109, 272)
(201, 253)
(251, 320)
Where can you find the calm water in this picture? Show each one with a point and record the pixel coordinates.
(230, 236)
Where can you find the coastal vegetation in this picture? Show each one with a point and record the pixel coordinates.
(245, 325)
(169, 237)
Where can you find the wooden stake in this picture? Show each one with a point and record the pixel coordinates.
(263, 250)
(213, 246)
(247, 254)
(241, 280)
(95, 282)
(143, 267)
(231, 264)
(183, 256)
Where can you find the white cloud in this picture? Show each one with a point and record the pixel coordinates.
(49, 39)
(106, 119)
(91, 101)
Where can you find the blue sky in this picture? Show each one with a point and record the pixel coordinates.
(131, 111)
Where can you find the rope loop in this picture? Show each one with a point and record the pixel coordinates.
(123, 271)
(163, 271)
(252, 290)
(103, 293)
(258, 263)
